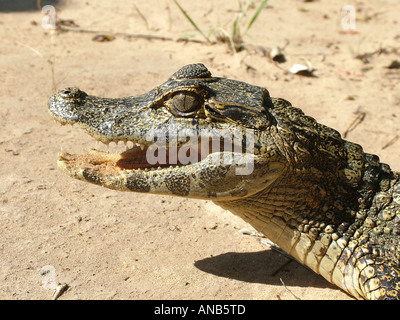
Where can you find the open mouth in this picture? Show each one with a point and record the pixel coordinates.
(149, 157)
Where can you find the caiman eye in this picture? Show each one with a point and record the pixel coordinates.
(185, 103)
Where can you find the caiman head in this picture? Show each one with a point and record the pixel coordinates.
(195, 135)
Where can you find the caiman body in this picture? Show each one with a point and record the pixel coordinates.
(320, 198)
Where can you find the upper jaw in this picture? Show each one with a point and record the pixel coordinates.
(107, 120)
(131, 119)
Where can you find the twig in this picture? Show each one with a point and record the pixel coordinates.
(296, 297)
(274, 273)
(360, 118)
(134, 35)
(142, 16)
(273, 246)
(30, 48)
(387, 145)
(50, 60)
(129, 35)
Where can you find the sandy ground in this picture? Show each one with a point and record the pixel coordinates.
(111, 245)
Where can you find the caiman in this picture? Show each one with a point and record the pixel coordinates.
(318, 197)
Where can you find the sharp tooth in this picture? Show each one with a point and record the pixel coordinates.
(142, 146)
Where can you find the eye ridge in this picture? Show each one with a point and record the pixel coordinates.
(186, 102)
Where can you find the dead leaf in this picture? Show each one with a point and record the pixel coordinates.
(276, 55)
(66, 23)
(394, 65)
(303, 70)
(103, 38)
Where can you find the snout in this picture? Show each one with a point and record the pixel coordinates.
(66, 105)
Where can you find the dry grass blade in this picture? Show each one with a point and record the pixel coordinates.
(254, 18)
(141, 15)
(296, 297)
(191, 21)
(239, 17)
(359, 118)
(50, 60)
(387, 145)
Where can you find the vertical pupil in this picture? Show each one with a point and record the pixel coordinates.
(185, 102)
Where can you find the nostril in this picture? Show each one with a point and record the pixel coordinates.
(70, 91)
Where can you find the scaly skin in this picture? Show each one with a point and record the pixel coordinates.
(318, 197)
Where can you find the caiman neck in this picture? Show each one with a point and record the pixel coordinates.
(296, 211)
(308, 208)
